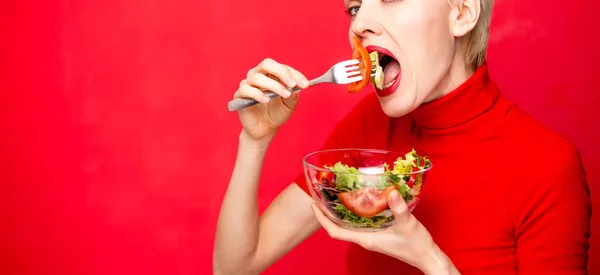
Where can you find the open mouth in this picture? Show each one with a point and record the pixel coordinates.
(391, 70)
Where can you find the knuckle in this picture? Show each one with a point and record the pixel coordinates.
(367, 244)
(403, 210)
(267, 62)
(242, 83)
(250, 73)
(241, 91)
(413, 223)
(255, 79)
(333, 234)
(409, 225)
(245, 90)
(291, 70)
(276, 67)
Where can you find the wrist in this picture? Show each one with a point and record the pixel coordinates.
(436, 262)
(255, 144)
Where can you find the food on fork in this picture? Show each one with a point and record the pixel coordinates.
(362, 55)
(377, 77)
(369, 67)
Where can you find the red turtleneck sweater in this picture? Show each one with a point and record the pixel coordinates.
(506, 195)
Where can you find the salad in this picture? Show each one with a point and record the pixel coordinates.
(359, 195)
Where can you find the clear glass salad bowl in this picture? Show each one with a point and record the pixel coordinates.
(351, 186)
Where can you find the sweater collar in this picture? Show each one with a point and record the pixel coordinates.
(471, 99)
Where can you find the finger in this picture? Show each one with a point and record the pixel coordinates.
(364, 239)
(270, 66)
(300, 78)
(292, 101)
(398, 206)
(237, 93)
(263, 82)
(332, 229)
(247, 91)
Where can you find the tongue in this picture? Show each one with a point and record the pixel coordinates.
(391, 71)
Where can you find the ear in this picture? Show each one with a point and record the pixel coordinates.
(464, 16)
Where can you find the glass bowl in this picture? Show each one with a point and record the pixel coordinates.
(351, 186)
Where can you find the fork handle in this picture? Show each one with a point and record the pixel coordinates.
(241, 103)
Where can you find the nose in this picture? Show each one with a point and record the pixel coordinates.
(365, 23)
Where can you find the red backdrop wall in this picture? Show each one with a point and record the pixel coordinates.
(117, 145)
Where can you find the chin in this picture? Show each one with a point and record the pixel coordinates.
(399, 103)
(397, 96)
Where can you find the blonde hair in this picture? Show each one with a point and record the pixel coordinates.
(480, 35)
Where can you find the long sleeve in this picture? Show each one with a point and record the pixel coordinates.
(552, 229)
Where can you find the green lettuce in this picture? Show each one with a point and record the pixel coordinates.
(347, 215)
(411, 160)
(350, 178)
(346, 178)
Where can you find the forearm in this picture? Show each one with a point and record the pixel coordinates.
(238, 225)
(436, 262)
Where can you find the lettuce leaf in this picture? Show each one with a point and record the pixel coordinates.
(347, 215)
(350, 178)
(346, 178)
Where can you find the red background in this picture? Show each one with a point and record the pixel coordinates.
(117, 145)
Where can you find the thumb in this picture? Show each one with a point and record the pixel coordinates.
(398, 206)
(302, 82)
(292, 100)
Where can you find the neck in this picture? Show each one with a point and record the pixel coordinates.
(470, 99)
(458, 73)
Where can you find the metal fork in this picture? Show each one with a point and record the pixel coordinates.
(344, 72)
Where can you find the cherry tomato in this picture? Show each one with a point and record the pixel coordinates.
(326, 179)
(412, 180)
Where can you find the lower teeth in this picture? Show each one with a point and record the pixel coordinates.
(389, 84)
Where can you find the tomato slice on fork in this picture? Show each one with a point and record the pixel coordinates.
(362, 55)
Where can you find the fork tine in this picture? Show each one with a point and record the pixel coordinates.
(348, 63)
(353, 73)
(352, 68)
(354, 79)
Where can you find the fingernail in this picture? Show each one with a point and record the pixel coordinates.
(394, 199)
(286, 93)
(266, 99)
(305, 83)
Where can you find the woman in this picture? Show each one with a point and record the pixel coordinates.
(506, 195)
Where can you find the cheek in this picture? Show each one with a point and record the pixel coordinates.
(427, 46)
(426, 36)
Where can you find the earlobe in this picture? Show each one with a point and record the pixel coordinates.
(466, 13)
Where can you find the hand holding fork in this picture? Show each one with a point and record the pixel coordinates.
(344, 72)
(265, 82)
